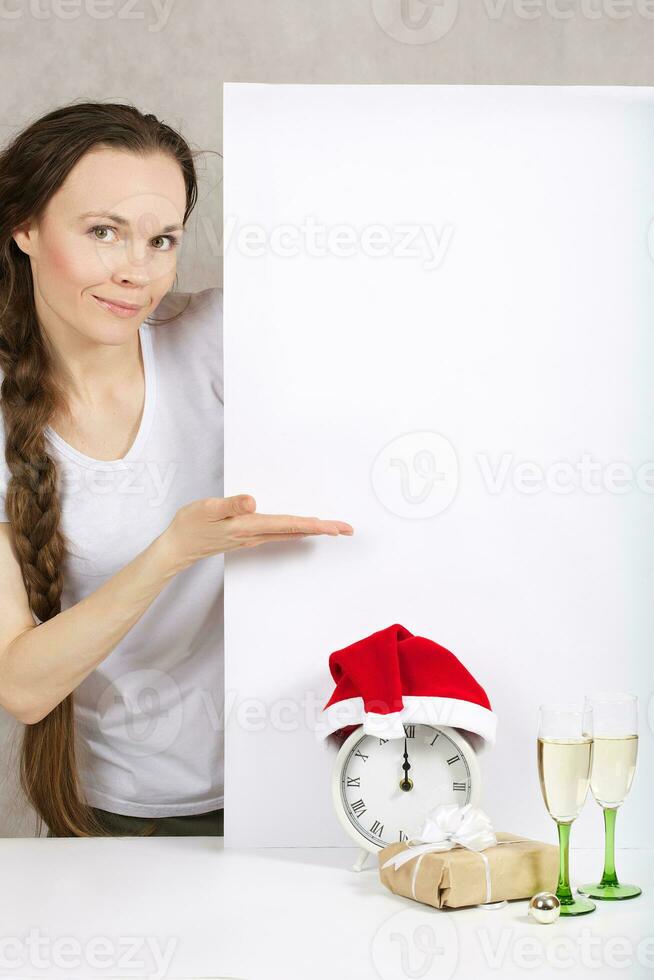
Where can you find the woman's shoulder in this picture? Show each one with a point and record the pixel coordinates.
(190, 310)
(187, 329)
(189, 322)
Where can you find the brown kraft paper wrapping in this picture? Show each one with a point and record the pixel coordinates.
(457, 877)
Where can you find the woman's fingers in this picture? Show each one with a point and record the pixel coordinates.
(262, 538)
(215, 525)
(292, 524)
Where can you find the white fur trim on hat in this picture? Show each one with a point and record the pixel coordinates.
(424, 709)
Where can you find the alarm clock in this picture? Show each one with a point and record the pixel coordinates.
(382, 788)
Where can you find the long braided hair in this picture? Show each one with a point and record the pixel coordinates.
(32, 168)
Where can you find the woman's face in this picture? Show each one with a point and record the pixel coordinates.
(111, 231)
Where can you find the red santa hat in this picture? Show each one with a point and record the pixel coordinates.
(392, 678)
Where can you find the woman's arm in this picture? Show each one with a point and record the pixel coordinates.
(41, 665)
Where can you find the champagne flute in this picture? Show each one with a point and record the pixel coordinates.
(564, 765)
(614, 719)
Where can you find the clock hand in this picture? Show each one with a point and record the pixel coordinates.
(406, 784)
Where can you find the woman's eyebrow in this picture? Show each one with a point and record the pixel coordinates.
(117, 220)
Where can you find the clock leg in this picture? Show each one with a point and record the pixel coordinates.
(361, 859)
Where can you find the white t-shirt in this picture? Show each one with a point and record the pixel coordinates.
(149, 718)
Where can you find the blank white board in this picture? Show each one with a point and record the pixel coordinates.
(438, 327)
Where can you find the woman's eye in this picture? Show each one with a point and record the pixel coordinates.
(101, 228)
(105, 230)
(166, 238)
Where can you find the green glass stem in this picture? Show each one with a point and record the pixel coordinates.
(609, 877)
(609, 887)
(563, 890)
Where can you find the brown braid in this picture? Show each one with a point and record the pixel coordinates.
(32, 168)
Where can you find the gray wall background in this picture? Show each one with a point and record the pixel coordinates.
(170, 57)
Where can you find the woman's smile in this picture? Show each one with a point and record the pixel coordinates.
(120, 309)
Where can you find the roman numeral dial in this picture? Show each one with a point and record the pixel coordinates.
(384, 787)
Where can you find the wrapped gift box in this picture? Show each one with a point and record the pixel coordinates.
(515, 867)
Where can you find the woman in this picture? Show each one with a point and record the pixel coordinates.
(112, 524)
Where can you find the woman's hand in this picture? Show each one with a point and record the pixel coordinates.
(219, 524)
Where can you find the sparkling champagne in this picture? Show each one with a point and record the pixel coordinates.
(613, 768)
(564, 766)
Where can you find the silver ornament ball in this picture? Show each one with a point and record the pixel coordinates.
(544, 907)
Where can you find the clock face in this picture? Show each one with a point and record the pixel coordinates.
(387, 786)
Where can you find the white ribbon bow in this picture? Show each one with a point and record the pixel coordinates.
(446, 826)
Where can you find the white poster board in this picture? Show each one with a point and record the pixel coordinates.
(438, 327)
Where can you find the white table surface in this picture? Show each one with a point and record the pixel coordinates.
(182, 907)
